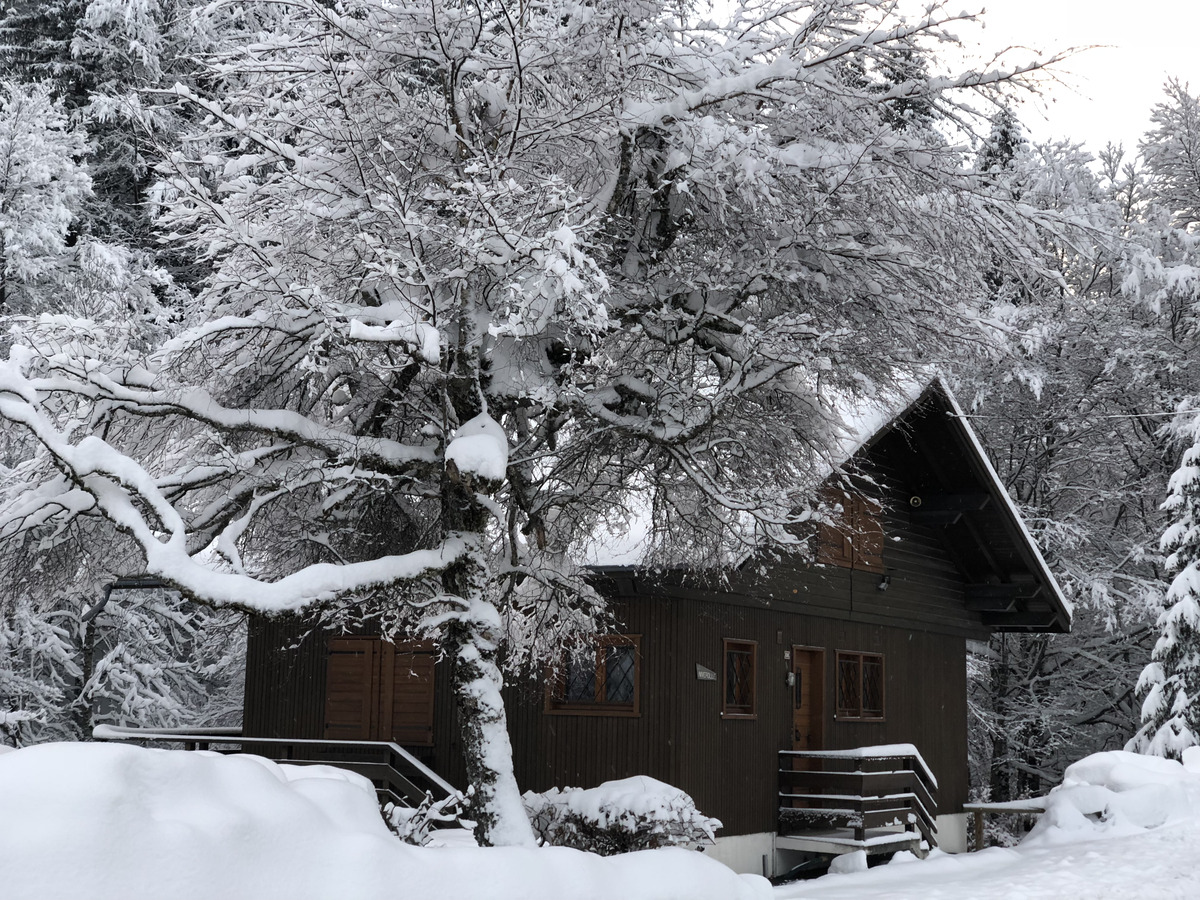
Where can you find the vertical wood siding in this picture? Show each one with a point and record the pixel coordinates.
(285, 679)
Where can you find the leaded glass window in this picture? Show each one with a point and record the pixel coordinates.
(860, 685)
(739, 695)
(602, 681)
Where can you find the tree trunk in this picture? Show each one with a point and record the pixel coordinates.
(496, 807)
(474, 638)
(1000, 747)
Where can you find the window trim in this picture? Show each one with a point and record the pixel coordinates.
(556, 684)
(860, 655)
(737, 712)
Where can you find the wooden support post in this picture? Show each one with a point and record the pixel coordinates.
(978, 829)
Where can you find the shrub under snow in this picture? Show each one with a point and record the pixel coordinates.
(637, 813)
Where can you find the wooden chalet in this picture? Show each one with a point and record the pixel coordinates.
(757, 699)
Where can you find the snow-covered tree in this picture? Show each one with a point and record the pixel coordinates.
(1171, 681)
(42, 186)
(1171, 151)
(490, 277)
(35, 46)
(140, 658)
(1072, 416)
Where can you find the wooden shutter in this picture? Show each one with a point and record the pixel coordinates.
(868, 535)
(351, 689)
(834, 546)
(411, 718)
(378, 691)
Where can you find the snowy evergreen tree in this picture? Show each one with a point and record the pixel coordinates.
(1171, 682)
(35, 46)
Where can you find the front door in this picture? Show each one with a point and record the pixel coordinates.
(379, 691)
(808, 698)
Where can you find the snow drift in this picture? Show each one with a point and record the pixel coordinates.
(1118, 793)
(110, 821)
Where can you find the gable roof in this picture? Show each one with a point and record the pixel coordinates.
(1009, 581)
(957, 490)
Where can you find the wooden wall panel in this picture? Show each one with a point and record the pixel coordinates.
(285, 679)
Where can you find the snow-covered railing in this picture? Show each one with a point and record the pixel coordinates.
(860, 789)
(1033, 806)
(398, 776)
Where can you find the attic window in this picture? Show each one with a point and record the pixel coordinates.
(606, 682)
(860, 686)
(854, 540)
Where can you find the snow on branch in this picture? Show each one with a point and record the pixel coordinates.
(126, 493)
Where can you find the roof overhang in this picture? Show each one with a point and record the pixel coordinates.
(1016, 591)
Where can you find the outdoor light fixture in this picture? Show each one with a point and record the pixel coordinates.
(885, 582)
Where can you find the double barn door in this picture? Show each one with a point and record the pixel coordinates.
(379, 691)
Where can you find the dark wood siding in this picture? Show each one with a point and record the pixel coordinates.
(728, 766)
(285, 679)
(919, 624)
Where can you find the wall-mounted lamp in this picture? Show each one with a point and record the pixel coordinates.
(885, 582)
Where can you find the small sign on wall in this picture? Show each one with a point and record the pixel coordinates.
(703, 673)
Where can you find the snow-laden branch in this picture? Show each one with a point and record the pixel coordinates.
(198, 405)
(122, 489)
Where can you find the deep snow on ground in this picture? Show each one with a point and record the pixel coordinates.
(107, 821)
(1121, 826)
(112, 821)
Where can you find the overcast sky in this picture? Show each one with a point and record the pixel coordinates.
(1108, 91)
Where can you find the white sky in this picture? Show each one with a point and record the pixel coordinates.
(1106, 93)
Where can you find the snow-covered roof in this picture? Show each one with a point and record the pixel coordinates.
(1001, 494)
(937, 387)
(864, 424)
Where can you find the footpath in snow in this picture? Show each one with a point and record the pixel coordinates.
(1121, 826)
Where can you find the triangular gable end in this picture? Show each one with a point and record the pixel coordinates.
(1008, 580)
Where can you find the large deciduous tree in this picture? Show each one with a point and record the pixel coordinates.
(488, 277)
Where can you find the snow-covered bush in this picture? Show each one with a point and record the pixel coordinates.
(637, 813)
(413, 825)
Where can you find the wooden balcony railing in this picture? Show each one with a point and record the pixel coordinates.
(397, 775)
(862, 789)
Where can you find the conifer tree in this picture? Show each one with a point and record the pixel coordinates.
(1171, 682)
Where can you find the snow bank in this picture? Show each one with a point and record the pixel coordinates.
(1118, 793)
(111, 821)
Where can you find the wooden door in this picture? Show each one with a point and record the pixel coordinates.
(379, 691)
(808, 698)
